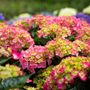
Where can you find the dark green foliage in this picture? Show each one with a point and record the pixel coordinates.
(42, 41)
(72, 37)
(3, 60)
(14, 82)
(56, 60)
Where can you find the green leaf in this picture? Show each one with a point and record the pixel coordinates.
(74, 88)
(13, 82)
(71, 38)
(3, 60)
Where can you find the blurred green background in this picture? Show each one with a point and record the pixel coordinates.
(12, 8)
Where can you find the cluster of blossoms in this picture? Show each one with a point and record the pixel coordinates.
(71, 23)
(14, 38)
(48, 25)
(38, 20)
(34, 57)
(66, 72)
(10, 71)
(61, 27)
(64, 12)
(69, 37)
(54, 30)
(23, 23)
(63, 47)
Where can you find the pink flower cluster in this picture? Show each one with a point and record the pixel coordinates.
(66, 72)
(15, 38)
(48, 25)
(60, 27)
(16, 41)
(34, 57)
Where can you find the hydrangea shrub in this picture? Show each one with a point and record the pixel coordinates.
(50, 51)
